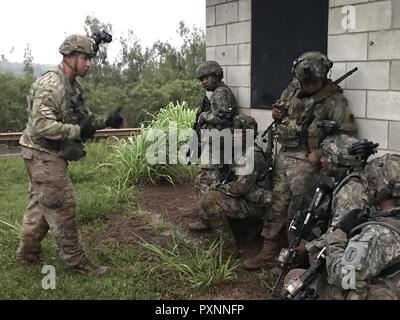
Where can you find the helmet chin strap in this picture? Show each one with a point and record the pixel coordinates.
(74, 69)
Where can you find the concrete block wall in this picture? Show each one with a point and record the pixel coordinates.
(373, 45)
(228, 37)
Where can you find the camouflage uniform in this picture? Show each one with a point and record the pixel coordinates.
(364, 264)
(243, 195)
(55, 107)
(293, 172)
(223, 107)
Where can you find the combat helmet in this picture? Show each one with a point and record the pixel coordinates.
(76, 43)
(244, 122)
(311, 66)
(209, 67)
(383, 175)
(347, 151)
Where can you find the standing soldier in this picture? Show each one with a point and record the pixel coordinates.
(223, 107)
(58, 123)
(308, 100)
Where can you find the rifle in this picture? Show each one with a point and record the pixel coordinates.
(297, 288)
(300, 227)
(268, 154)
(195, 140)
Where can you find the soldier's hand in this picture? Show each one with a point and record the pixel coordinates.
(202, 118)
(315, 156)
(301, 251)
(352, 219)
(115, 119)
(277, 114)
(87, 128)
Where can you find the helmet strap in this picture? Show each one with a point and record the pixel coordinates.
(73, 68)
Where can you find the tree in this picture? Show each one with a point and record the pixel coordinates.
(28, 58)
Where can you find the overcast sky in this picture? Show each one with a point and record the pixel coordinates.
(45, 23)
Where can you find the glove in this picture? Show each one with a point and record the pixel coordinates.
(87, 128)
(115, 119)
(353, 219)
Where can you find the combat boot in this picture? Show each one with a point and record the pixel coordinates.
(90, 269)
(266, 258)
(199, 225)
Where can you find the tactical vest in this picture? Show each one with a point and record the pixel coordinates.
(294, 129)
(73, 113)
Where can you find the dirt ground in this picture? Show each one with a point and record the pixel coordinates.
(173, 204)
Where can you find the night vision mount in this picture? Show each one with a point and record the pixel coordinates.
(98, 38)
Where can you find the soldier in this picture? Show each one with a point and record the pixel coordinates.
(308, 100)
(223, 108)
(242, 195)
(363, 246)
(58, 123)
(371, 256)
(343, 158)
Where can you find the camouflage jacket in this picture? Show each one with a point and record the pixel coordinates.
(55, 107)
(249, 173)
(365, 256)
(303, 114)
(349, 194)
(223, 106)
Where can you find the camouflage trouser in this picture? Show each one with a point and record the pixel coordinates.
(51, 206)
(293, 188)
(241, 218)
(206, 177)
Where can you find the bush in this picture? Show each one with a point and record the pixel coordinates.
(129, 160)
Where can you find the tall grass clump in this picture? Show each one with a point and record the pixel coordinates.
(97, 194)
(197, 266)
(129, 160)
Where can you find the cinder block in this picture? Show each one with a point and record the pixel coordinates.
(244, 97)
(395, 75)
(227, 13)
(216, 35)
(357, 101)
(245, 111)
(373, 16)
(396, 13)
(336, 3)
(335, 21)
(214, 2)
(370, 75)
(386, 45)
(374, 130)
(238, 76)
(383, 105)
(348, 47)
(239, 32)
(227, 55)
(244, 10)
(338, 69)
(394, 136)
(244, 53)
(210, 53)
(210, 16)
(263, 118)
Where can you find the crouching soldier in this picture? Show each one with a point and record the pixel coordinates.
(240, 199)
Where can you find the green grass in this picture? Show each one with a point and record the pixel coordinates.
(99, 195)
